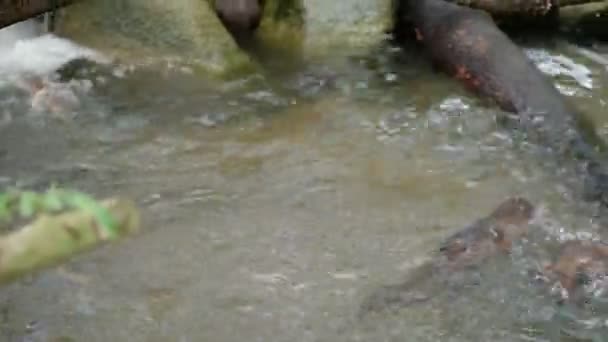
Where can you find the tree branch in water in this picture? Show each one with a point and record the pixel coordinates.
(52, 239)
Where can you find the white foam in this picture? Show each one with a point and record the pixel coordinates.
(25, 50)
(560, 65)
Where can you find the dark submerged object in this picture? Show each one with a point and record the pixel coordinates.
(581, 268)
(482, 240)
(240, 17)
(488, 236)
(466, 44)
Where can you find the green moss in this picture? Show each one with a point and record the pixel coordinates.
(136, 29)
(285, 11)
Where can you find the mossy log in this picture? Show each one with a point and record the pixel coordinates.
(589, 17)
(52, 239)
(144, 32)
(510, 7)
(522, 7)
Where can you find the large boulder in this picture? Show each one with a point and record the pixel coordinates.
(144, 30)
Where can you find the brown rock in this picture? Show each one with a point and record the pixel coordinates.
(490, 235)
(580, 264)
(474, 245)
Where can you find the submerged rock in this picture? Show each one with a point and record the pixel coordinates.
(488, 236)
(581, 268)
(141, 30)
(49, 96)
(480, 241)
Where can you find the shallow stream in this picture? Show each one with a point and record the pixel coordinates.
(274, 203)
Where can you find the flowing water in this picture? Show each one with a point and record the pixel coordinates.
(274, 203)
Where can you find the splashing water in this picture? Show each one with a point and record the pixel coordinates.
(29, 59)
(25, 49)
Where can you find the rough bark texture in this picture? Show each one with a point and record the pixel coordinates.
(521, 7)
(510, 7)
(466, 44)
(586, 20)
(13, 11)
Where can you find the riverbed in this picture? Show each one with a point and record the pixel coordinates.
(273, 203)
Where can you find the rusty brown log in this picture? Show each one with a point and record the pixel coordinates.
(14, 11)
(467, 44)
(522, 7)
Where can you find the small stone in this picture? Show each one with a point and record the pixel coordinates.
(390, 77)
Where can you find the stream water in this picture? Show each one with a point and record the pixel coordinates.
(274, 203)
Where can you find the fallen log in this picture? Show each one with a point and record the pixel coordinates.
(14, 11)
(511, 7)
(587, 20)
(466, 44)
(522, 7)
(575, 13)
